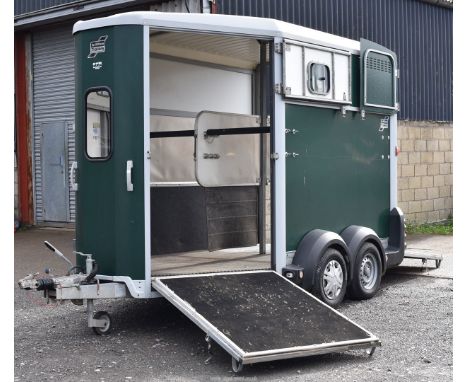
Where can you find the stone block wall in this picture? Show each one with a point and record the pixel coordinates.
(425, 171)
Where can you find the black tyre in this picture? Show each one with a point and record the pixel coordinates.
(331, 278)
(367, 273)
(108, 323)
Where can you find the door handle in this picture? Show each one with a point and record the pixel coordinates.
(73, 183)
(129, 175)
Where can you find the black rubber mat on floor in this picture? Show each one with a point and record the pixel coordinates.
(263, 311)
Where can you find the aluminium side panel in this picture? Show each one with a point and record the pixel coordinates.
(341, 175)
(279, 203)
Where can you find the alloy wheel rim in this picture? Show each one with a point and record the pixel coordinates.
(332, 279)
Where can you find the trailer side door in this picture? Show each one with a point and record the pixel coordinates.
(110, 222)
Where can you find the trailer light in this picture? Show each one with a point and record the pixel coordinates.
(397, 151)
(294, 273)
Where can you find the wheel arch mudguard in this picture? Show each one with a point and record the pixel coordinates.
(355, 236)
(311, 248)
(396, 238)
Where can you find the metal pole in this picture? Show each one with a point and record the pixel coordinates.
(271, 108)
(263, 146)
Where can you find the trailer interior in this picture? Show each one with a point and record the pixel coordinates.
(210, 173)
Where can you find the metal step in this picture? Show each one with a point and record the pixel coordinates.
(259, 316)
(424, 255)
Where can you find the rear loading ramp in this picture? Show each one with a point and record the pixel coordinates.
(260, 316)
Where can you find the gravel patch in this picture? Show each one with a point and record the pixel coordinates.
(151, 340)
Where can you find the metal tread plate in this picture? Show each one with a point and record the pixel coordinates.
(423, 254)
(259, 316)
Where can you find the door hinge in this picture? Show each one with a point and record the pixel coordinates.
(281, 89)
(397, 73)
(274, 156)
(281, 47)
(278, 47)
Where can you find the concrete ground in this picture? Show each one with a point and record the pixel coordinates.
(151, 340)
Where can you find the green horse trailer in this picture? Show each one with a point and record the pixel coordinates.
(243, 168)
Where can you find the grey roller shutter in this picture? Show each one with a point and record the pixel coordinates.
(53, 101)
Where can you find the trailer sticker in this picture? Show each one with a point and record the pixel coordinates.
(98, 46)
(384, 123)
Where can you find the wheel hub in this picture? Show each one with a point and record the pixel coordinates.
(368, 272)
(333, 279)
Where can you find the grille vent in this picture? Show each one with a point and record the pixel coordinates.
(379, 64)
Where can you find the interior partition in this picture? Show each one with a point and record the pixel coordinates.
(194, 79)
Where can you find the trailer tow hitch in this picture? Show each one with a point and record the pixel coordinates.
(74, 277)
(77, 285)
(30, 282)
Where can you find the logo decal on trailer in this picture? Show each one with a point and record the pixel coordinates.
(98, 46)
(97, 65)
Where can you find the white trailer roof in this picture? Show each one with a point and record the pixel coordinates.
(226, 24)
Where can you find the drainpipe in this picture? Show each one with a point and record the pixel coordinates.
(24, 127)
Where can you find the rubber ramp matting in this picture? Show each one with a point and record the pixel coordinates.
(260, 315)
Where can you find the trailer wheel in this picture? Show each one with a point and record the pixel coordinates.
(107, 326)
(331, 278)
(367, 273)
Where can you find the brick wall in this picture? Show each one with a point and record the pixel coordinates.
(425, 168)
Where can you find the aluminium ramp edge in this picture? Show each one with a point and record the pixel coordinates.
(226, 305)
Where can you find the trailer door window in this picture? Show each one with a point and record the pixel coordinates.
(319, 78)
(98, 122)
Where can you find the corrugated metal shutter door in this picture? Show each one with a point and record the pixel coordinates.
(53, 99)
